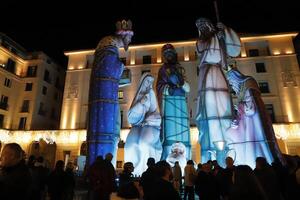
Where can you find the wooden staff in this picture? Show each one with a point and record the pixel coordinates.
(217, 10)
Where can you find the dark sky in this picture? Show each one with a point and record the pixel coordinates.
(54, 27)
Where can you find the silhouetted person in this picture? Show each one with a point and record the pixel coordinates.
(102, 178)
(148, 177)
(177, 176)
(189, 178)
(70, 181)
(226, 180)
(57, 182)
(15, 178)
(206, 184)
(126, 176)
(268, 179)
(162, 188)
(245, 185)
(39, 175)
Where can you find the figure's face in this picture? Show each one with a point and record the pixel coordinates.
(126, 41)
(147, 85)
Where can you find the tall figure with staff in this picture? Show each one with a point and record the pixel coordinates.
(214, 105)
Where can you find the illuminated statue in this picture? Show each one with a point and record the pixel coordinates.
(253, 136)
(214, 105)
(103, 119)
(143, 140)
(172, 90)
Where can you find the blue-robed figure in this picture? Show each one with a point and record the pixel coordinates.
(104, 114)
(172, 92)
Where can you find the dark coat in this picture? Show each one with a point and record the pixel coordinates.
(15, 182)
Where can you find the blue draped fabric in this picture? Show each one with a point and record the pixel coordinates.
(173, 108)
(103, 122)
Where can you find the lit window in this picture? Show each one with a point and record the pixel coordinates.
(120, 94)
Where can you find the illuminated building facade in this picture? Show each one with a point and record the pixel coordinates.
(270, 59)
(31, 88)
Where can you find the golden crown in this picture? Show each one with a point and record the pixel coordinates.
(124, 25)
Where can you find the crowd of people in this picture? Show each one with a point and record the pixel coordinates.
(209, 181)
(31, 179)
(22, 178)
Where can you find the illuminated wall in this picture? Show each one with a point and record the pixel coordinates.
(276, 52)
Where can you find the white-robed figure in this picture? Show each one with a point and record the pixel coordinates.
(214, 105)
(143, 140)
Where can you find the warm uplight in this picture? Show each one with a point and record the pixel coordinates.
(71, 67)
(158, 60)
(276, 53)
(289, 52)
(186, 58)
(244, 55)
(80, 67)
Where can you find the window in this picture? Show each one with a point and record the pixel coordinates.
(120, 95)
(264, 87)
(198, 71)
(22, 123)
(260, 67)
(44, 91)
(1, 120)
(31, 71)
(253, 52)
(47, 76)
(270, 110)
(7, 82)
(4, 102)
(25, 106)
(28, 87)
(123, 60)
(146, 71)
(147, 59)
(10, 66)
(42, 110)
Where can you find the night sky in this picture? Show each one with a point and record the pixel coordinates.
(55, 27)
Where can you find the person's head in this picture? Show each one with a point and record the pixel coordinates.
(229, 162)
(40, 159)
(128, 167)
(109, 157)
(11, 155)
(190, 162)
(124, 31)
(261, 163)
(150, 162)
(163, 170)
(199, 166)
(99, 158)
(59, 166)
(215, 164)
(70, 166)
(206, 167)
(169, 54)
